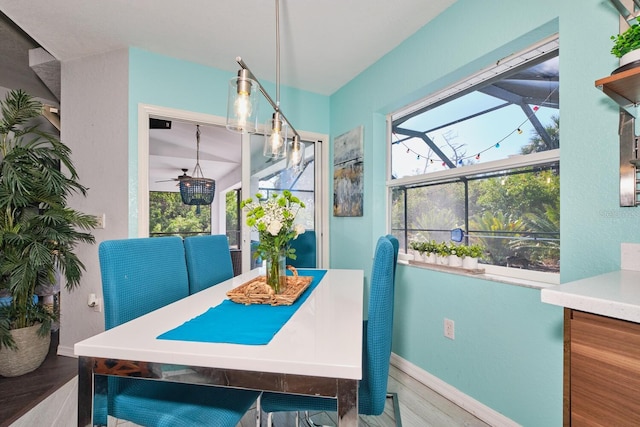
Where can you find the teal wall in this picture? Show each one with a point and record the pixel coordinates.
(168, 82)
(508, 349)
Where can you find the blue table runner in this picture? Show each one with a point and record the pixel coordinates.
(234, 323)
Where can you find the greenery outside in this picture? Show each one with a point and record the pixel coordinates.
(169, 216)
(514, 215)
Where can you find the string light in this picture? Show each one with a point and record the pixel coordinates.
(518, 129)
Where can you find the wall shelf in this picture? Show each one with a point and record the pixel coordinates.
(623, 88)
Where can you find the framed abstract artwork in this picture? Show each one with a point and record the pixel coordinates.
(348, 162)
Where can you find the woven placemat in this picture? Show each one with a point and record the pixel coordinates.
(256, 291)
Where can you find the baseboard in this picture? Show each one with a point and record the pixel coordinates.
(451, 393)
(65, 351)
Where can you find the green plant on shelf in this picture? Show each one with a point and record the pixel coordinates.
(626, 41)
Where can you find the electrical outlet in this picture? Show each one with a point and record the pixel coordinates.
(95, 303)
(449, 329)
(98, 306)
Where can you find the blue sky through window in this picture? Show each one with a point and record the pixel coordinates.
(494, 135)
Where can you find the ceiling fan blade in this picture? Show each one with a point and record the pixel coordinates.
(179, 178)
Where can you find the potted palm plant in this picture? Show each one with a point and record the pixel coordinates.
(38, 231)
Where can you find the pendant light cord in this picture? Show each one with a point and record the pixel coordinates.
(277, 55)
(197, 171)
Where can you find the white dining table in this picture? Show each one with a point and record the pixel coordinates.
(317, 352)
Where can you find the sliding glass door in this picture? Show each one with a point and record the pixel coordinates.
(266, 175)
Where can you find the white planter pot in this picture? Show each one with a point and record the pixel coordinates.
(632, 56)
(470, 263)
(455, 261)
(442, 260)
(430, 258)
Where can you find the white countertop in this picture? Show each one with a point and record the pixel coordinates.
(615, 294)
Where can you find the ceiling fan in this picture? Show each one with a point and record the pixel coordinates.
(179, 177)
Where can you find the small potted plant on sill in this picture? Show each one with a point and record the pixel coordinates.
(626, 47)
(417, 248)
(442, 253)
(456, 252)
(473, 254)
(430, 249)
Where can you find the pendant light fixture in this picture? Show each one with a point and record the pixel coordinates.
(197, 190)
(242, 108)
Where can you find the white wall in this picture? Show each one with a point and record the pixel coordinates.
(94, 121)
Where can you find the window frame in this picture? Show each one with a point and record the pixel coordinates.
(492, 272)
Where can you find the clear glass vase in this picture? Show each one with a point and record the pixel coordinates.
(277, 272)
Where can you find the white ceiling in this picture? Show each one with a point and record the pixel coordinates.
(324, 44)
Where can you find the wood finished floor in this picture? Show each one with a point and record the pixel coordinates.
(419, 405)
(19, 394)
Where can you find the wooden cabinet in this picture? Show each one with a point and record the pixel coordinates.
(602, 371)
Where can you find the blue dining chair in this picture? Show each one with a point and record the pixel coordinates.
(305, 246)
(208, 261)
(376, 350)
(139, 276)
(396, 248)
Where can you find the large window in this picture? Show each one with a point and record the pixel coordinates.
(483, 156)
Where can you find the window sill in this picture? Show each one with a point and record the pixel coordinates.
(486, 275)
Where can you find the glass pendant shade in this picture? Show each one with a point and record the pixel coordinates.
(296, 155)
(242, 103)
(275, 141)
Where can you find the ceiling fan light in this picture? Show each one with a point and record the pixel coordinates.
(242, 103)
